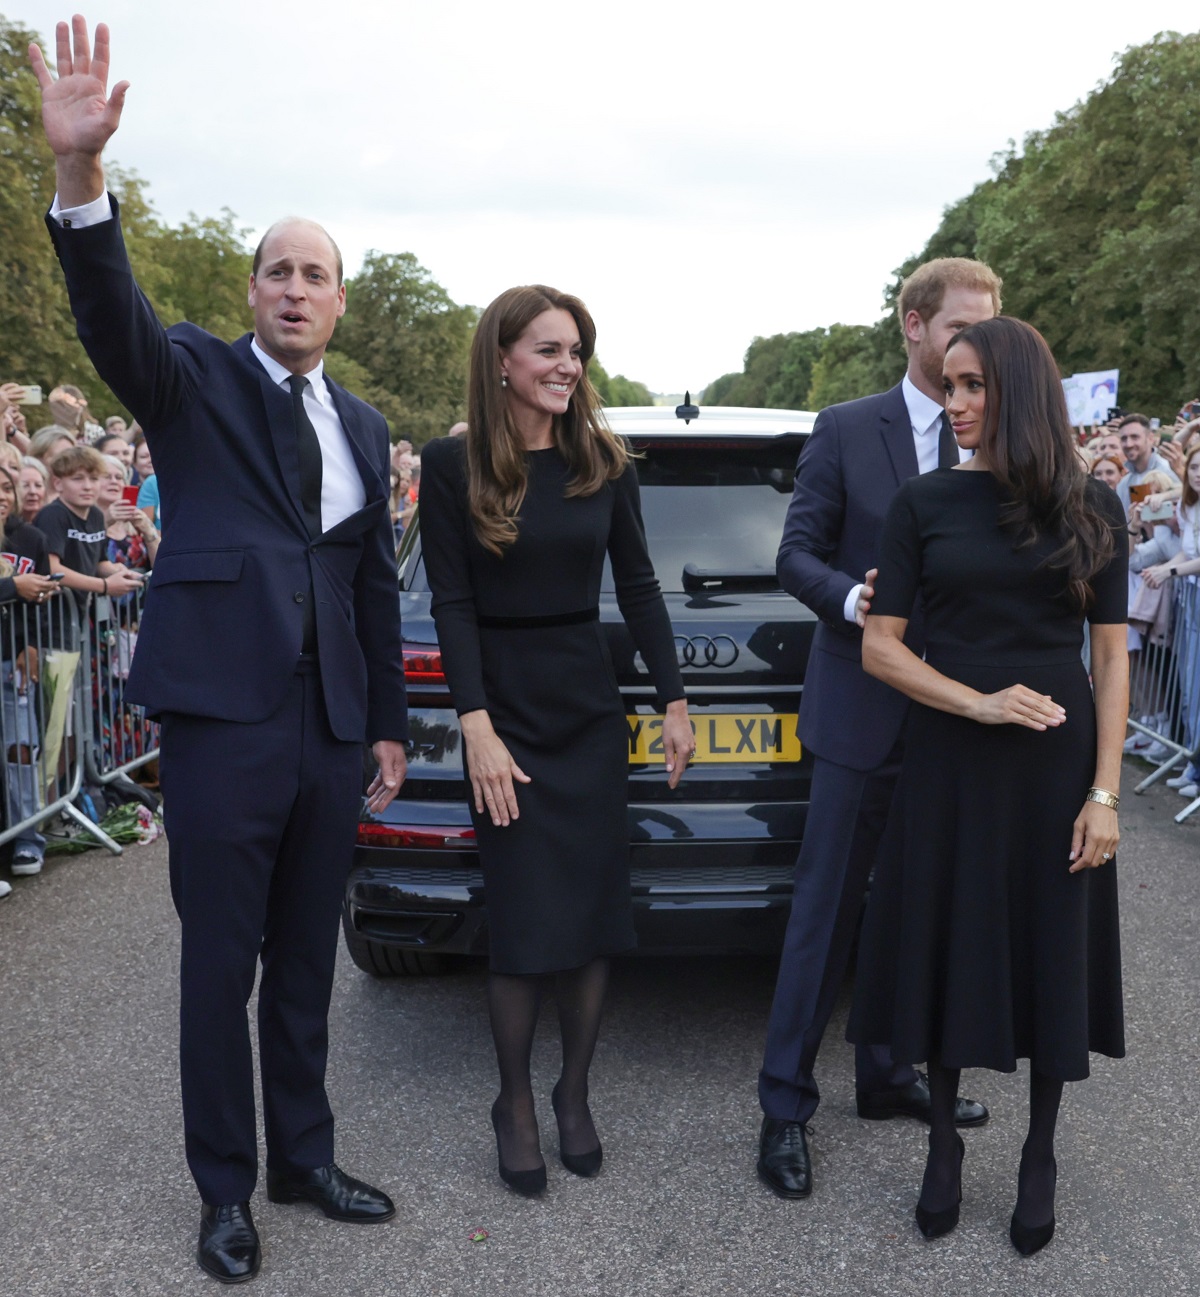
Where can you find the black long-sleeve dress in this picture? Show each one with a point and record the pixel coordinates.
(978, 946)
(520, 637)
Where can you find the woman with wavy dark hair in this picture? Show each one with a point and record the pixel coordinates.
(991, 933)
(516, 518)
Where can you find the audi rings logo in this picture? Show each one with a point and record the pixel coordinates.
(706, 650)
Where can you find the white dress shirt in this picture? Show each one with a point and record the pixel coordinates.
(342, 490)
(925, 418)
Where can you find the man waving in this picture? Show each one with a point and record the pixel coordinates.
(270, 650)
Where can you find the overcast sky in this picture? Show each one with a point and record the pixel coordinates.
(698, 173)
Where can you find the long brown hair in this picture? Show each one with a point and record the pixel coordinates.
(1030, 448)
(1189, 499)
(497, 472)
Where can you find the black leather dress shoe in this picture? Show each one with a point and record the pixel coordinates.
(339, 1196)
(783, 1161)
(913, 1101)
(228, 1247)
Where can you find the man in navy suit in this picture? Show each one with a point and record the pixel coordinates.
(270, 649)
(849, 469)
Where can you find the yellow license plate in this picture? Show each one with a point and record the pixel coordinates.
(722, 738)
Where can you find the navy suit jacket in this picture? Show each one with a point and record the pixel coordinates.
(849, 469)
(224, 615)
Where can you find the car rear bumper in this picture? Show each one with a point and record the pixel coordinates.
(712, 896)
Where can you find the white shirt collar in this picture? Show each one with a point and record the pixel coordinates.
(279, 376)
(923, 414)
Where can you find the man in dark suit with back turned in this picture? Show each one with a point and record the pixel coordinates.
(849, 469)
(270, 649)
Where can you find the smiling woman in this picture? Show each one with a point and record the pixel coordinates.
(517, 517)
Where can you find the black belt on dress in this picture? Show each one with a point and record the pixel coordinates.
(529, 623)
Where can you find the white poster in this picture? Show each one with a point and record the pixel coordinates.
(1089, 396)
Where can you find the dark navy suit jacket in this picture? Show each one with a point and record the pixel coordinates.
(224, 614)
(850, 467)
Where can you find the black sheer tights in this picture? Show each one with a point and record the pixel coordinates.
(513, 1006)
(1038, 1173)
(941, 1186)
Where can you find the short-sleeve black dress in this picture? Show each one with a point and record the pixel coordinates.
(978, 946)
(520, 636)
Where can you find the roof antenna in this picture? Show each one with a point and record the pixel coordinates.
(687, 411)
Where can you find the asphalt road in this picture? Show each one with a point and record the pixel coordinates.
(96, 1199)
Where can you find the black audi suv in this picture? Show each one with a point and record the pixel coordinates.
(712, 860)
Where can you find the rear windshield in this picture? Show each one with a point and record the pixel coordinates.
(714, 509)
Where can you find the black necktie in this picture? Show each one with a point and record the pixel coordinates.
(947, 446)
(308, 452)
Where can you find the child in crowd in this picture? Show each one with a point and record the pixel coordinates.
(74, 528)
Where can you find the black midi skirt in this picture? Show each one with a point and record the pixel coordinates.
(557, 879)
(979, 947)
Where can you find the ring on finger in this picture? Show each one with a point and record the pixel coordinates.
(1106, 855)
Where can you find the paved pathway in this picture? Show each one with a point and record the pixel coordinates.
(96, 1199)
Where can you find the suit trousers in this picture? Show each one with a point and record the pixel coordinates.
(260, 822)
(847, 814)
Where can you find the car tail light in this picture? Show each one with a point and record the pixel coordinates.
(423, 836)
(423, 665)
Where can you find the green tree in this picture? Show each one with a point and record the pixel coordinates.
(199, 272)
(846, 369)
(804, 371)
(617, 390)
(1092, 226)
(404, 331)
(37, 333)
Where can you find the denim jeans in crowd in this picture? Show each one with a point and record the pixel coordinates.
(21, 731)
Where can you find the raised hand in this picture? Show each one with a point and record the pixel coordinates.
(78, 113)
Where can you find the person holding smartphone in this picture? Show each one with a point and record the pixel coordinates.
(24, 578)
(132, 539)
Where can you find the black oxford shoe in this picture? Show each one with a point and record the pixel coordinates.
(228, 1248)
(339, 1196)
(913, 1101)
(783, 1161)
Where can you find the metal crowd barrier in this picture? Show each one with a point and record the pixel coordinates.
(64, 718)
(122, 739)
(1164, 689)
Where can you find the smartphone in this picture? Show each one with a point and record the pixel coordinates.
(56, 576)
(130, 495)
(1138, 493)
(1163, 513)
(1155, 424)
(33, 395)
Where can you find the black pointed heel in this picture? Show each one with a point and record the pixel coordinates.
(1029, 1239)
(933, 1224)
(582, 1164)
(529, 1184)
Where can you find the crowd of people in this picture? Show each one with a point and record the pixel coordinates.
(79, 513)
(1155, 472)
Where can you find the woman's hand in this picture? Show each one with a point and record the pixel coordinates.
(27, 665)
(679, 741)
(1018, 705)
(33, 588)
(1094, 841)
(491, 769)
(1156, 575)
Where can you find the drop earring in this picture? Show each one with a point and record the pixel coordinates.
(503, 380)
